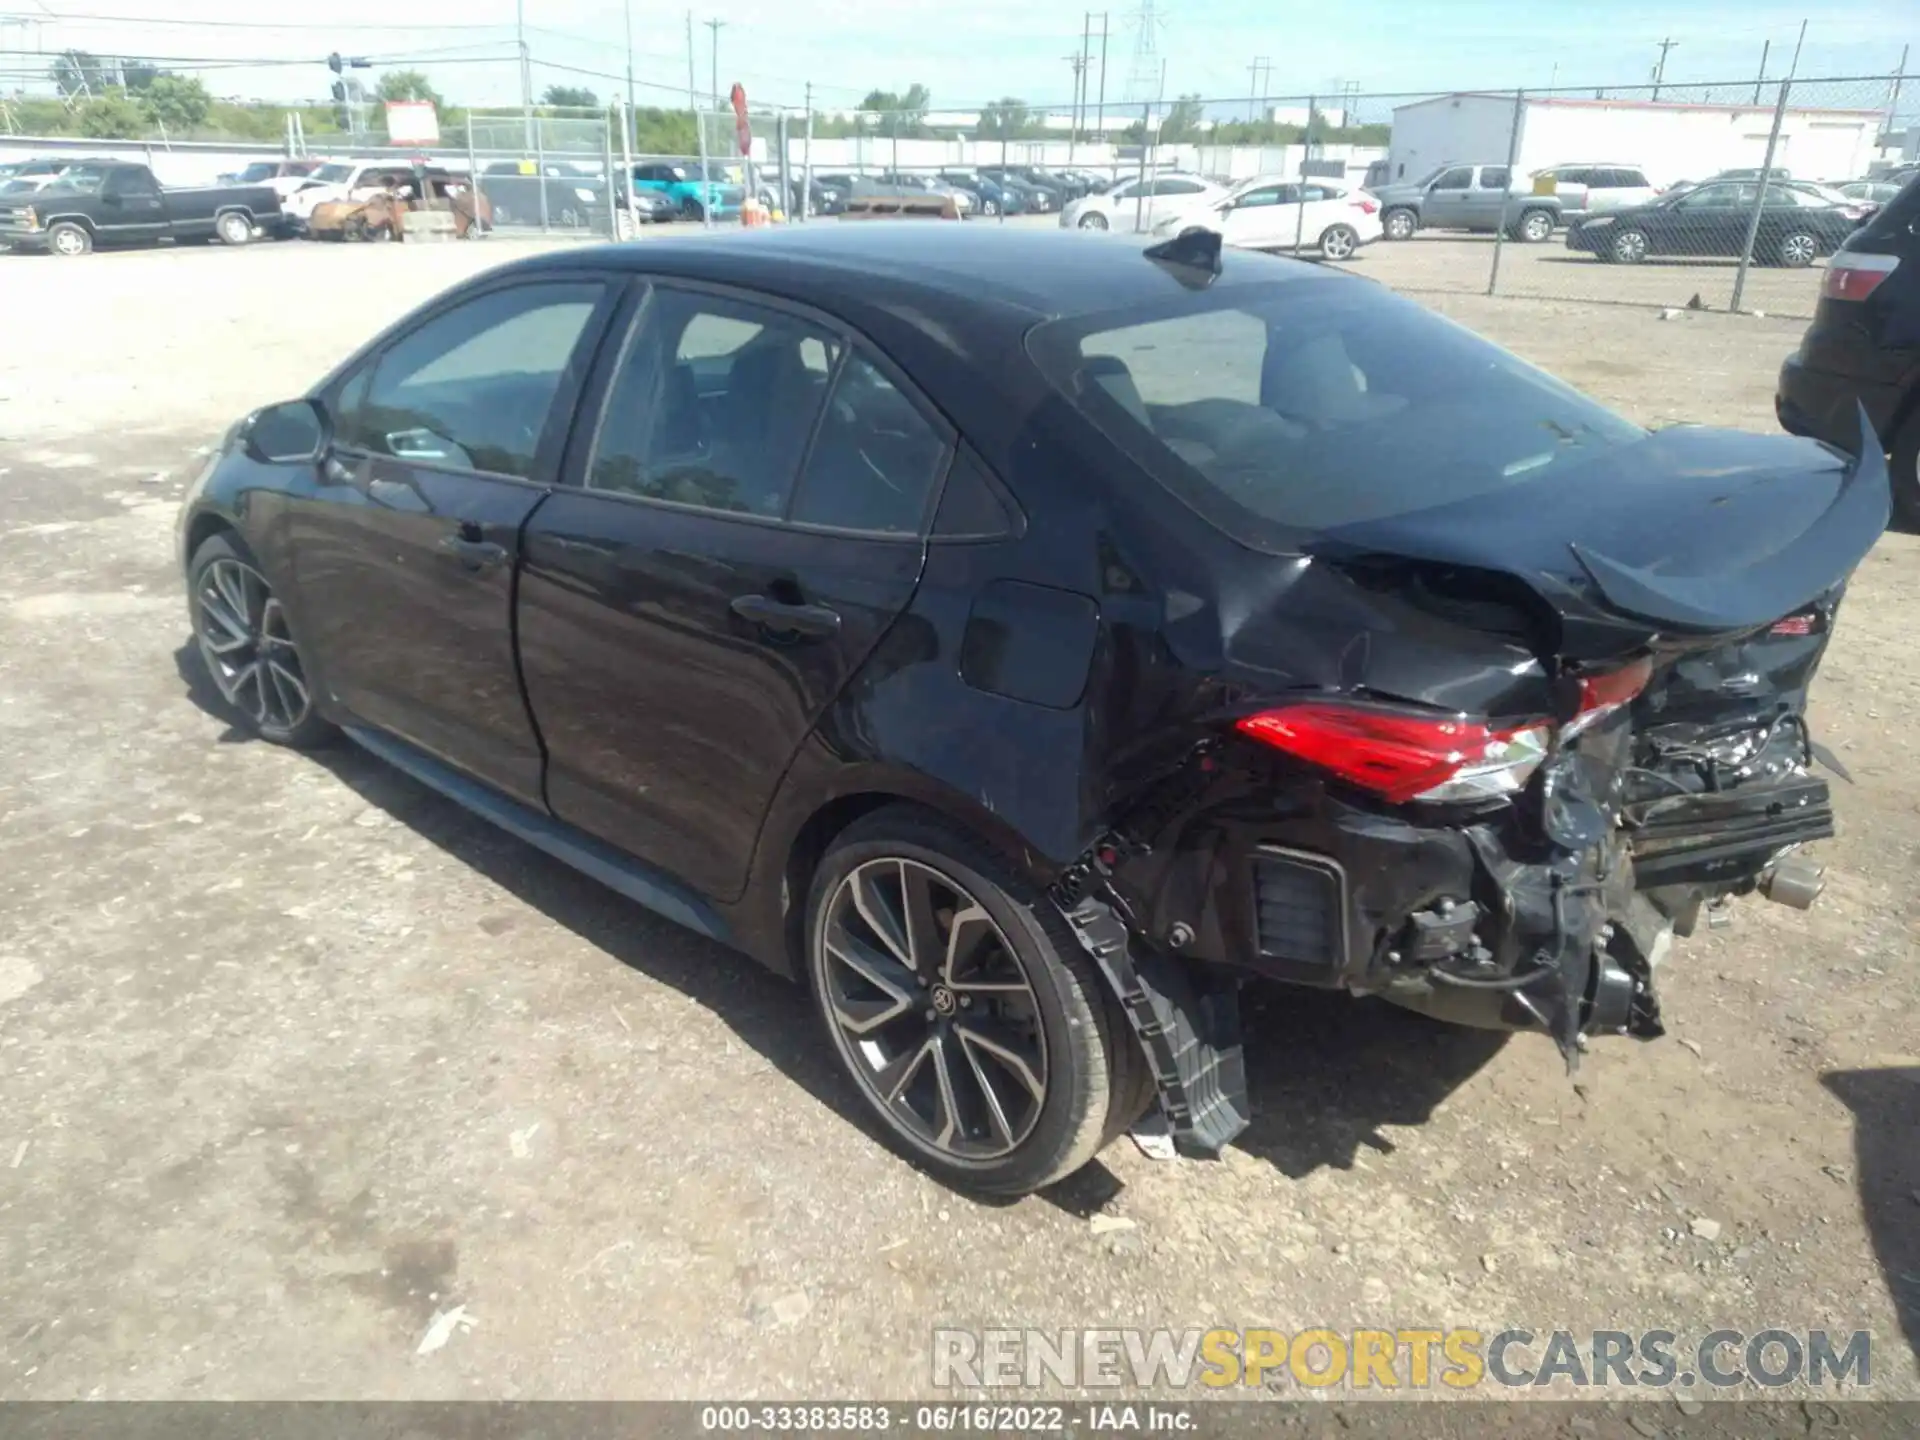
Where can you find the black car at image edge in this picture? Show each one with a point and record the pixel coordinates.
(1023, 640)
(1863, 348)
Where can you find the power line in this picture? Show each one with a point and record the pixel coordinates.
(322, 25)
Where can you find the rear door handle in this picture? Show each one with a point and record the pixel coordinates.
(782, 618)
(471, 551)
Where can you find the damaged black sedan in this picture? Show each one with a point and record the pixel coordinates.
(1024, 640)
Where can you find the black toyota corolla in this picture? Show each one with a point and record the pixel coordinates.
(1023, 640)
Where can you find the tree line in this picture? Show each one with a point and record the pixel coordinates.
(109, 98)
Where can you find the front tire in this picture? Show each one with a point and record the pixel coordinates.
(233, 228)
(974, 1026)
(1399, 224)
(70, 240)
(1093, 220)
(247, 645)
(1628, 247)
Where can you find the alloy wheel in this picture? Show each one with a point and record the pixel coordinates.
(932, 1009)
(1630, 247)
(1536, 227)
(1799, 250)
(1338, 243)
(69, 241)
(1093, 221)
(1399, 225)
(242, 630)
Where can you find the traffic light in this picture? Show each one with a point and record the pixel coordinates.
(340, 90)
(336, 64)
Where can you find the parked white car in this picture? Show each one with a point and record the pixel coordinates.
(1269, 213)
(1136, 204)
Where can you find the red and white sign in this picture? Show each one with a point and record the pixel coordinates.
(743, 132)
(412, 122)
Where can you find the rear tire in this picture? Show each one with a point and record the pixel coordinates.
(1797, 250)
(1905, 473)
(1093, 220)
(233, 228)
(1535, 227)
(1010, 1077)
(1338, 242)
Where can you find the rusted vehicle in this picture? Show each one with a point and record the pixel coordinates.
(385, 215)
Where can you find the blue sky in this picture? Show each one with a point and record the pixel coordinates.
(987, 48)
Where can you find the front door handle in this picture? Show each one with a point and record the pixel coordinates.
(783, 618)
(471, 551)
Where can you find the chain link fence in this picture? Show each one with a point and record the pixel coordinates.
(545, 170)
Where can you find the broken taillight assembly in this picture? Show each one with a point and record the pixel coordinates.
(1854, 275)
(1401, 756)
(1404, 756)
(1807, 622)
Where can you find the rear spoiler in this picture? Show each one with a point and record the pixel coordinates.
(902, 207)
(1824, 555)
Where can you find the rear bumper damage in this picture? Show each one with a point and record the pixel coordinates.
(1554, 916)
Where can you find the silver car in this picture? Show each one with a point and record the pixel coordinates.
(1596, 189)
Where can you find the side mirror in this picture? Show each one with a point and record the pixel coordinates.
(290, 433)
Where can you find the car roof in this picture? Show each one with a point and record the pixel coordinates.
(1027, 274)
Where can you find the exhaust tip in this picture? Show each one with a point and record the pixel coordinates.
(1794, 882)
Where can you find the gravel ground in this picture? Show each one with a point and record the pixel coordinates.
(297, 1057)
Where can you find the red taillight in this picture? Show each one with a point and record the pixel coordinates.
(1365, 206)
(1855, 276)
(1400, 756)
(1804, 623)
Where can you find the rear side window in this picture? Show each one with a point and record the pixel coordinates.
(875, 459)
(1494, 177)
(473, 388)
(1282, 409)
(1178, 187)
(713, 405)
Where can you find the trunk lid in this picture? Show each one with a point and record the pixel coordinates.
(1689, 537)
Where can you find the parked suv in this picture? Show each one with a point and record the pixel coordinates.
(1863, 348)
(1595, 189)
(1467, 197)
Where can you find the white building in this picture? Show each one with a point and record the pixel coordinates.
(1297, 115)
(1669, 141)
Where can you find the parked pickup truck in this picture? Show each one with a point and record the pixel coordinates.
(114, 203)
(1467, 197)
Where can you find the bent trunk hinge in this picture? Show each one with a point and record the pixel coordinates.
(1189, 1028)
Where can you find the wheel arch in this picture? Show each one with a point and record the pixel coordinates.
(798, 834)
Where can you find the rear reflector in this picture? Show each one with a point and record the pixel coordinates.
(1855, 275)
(1400, 756)
(1601, 695)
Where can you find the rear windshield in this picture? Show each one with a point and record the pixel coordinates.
(1281, 409)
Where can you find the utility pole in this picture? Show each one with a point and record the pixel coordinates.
(1793, 70)
(1079, 64)
(1766, 48)
(630, 66)
(1260, 62)
(1660, 70)
(699, 132)
(1893, 92)
(1080, 70)
(713, 53)
(526, 70)
(1100, 125)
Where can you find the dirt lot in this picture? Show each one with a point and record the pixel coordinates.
(296, 1057)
